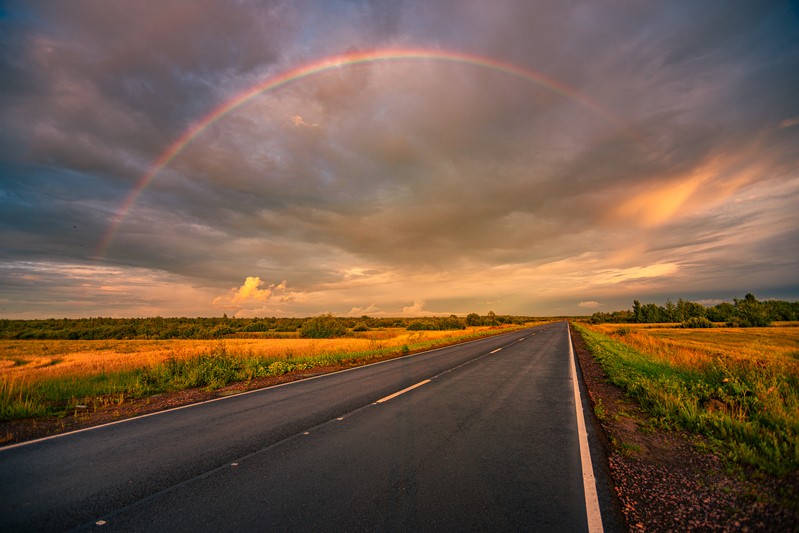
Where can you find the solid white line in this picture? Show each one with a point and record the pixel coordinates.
(589, 482)
(403, 391)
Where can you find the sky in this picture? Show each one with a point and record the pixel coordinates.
(395, 157)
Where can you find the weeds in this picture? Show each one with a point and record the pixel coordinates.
(747, 407)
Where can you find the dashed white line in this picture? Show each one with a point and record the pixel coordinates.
(495, 351)
(403, 391)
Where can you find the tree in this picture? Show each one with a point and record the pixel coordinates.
(722, 312)
(670, 312)
(473, 319)
(637, 313)
(322, 327)
(750, 312)
(652, 313)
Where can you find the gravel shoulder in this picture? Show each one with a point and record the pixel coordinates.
(666, 482)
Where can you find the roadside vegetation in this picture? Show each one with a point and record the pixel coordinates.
(739, 388)
(58, 377)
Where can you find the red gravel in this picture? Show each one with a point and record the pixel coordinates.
(665, 483)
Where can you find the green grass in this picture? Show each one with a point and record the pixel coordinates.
(749, 413)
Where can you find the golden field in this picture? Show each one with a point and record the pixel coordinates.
(696, 348)
(738, 387)
(35, 360)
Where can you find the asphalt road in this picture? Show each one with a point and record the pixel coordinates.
(488, 443)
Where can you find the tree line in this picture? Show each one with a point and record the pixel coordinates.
(742, 312)
(160, 328)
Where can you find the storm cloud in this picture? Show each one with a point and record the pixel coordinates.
(652, 152)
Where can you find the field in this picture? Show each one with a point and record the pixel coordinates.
(738, 387)
(53, 377)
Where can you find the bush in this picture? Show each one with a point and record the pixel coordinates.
(421, 325)
(256, 327)
(697, 322)
(322, 327)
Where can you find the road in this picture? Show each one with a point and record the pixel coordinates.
(485, 440)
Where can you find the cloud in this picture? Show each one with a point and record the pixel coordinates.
(47, 289)
(250, 294)
(403, 181)
(589, 305)
(371, 309)
(789, 122)
(298, 121)
(416, 309)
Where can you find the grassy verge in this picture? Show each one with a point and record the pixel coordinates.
(747, 407)
(59, 395)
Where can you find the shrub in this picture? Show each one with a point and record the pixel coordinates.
(256, 327)
(322, 327)
(697, 322)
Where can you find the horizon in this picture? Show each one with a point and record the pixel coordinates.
(395, 159)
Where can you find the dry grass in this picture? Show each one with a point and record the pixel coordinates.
(738, 386)
(694, 349)
(41, 378)
(33, 360)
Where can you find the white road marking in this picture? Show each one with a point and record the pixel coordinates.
(495, 351)
(589, 482)
(221, 398)
(403, 391)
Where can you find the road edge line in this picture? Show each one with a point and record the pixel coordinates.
(592, 510)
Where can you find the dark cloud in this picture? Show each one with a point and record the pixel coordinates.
(401, 184)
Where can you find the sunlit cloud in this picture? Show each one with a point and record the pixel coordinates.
(621, 275)
(251, 294)
(298, 121)
(590, 304)
(371, 309)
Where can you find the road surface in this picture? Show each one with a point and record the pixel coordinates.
(482, 436)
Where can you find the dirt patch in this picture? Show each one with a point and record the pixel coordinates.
(666, 483)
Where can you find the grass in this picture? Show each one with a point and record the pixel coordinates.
(737, 387)
(44, 378)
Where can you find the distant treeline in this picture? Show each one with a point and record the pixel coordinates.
(743, 312)
(214, 328)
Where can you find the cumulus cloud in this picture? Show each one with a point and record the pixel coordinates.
(590, 304)
(298, 121)
(250, 294)
(416, 309)
(371, 309)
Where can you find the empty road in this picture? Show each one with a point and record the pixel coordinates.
(482, 436)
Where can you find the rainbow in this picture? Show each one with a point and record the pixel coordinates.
(326, 64)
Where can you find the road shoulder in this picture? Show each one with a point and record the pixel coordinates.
(663, 480)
